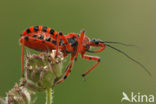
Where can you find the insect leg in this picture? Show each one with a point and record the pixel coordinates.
(80, 43)
(23, 43)
(67, 72)
(67, 45)
(93, 58)
(102, 45)
(57, 46)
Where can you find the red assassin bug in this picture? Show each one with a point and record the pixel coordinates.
(42, 38)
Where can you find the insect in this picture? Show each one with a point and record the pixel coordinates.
(42, 38)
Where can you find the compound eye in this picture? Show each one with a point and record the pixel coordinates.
(96, 42)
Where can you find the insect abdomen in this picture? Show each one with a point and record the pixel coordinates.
(39, 38)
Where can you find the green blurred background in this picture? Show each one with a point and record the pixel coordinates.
(129, 21)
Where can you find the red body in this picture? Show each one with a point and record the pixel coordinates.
(45, 39)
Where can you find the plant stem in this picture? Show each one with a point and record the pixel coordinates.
(49, 96)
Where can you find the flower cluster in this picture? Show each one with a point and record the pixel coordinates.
(41, 73)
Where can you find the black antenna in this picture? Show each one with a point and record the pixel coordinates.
(120, 43)
(112, 42)
(125, 54)
(124, 44)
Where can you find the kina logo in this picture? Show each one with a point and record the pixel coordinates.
(137, 97)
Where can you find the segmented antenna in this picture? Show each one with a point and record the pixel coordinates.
(132, 59)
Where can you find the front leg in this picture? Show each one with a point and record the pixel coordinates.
(82, 34)
(95, 43)
(92, 58)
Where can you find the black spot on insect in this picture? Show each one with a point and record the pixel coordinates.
(67, 67)
(34, 35)
(78, 35)
(60, 43)
(56, 35)
(41, 36)
(48, 39)
(87, 46)
(26, 38)
(65, 77)
(83, 75)
(90, 58)
(28, 31)
(44, 29)
(99, 60)
(51, 32)
(72, 41)
(76, 59)
(54, 42)
(63, 44)
(75, 43)
(73, 37)
(96, 42)
(67, 51)
(36, 28)
(43, 41)
(60, 33)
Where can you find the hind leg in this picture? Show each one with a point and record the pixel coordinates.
(92, 58)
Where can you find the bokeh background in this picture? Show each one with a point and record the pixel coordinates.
(129, 21)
